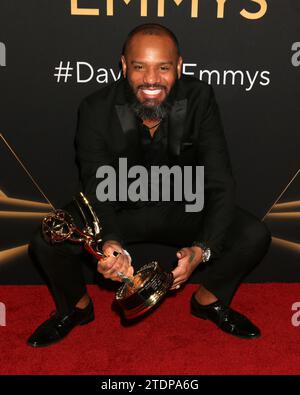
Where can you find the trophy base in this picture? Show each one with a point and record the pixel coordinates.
(151, 283)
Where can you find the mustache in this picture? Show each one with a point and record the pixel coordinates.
(149, 86)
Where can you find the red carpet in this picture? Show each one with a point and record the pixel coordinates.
(169, 341)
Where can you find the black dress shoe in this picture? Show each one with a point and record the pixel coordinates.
(57, 327)
(225, 318)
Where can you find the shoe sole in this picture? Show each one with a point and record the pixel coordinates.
(198, 315)
(87, 320)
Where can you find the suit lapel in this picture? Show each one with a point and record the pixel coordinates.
(176, 126)
(126, 117)
(130, 136)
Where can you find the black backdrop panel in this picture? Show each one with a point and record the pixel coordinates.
(248, 50)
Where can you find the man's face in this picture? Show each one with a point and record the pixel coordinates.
(151, 66)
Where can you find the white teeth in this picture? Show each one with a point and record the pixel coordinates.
(151, 92)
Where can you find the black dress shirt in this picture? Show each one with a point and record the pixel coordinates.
(154, 153)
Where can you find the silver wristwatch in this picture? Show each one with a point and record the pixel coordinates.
(206, 252)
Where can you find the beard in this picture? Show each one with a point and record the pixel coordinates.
(150, 109)
(153, 112)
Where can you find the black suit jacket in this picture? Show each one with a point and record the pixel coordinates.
(107, 130)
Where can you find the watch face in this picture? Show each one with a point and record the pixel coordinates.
(206, 255)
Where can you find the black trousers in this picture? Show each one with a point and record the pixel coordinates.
(247, 242)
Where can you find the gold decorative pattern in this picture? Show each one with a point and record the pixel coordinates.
(12, 253)
(281, 194)
(286, 244)
(38, 209)
(24, 168)
(22, 202)
(280, 211)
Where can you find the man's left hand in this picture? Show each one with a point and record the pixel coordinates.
(188, 259)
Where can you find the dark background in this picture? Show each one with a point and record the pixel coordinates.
(38, 114)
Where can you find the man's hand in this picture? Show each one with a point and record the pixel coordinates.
(188, 259)
(111, 265)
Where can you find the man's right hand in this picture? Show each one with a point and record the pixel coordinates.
(111, 265)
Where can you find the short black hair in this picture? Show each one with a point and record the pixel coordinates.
(151, 29)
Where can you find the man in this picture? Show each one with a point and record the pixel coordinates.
(154, 116)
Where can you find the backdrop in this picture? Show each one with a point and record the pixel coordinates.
(55, 52)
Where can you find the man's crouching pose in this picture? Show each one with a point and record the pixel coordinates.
(153, 116)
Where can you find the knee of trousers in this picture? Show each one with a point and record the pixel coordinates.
(256, 235)
(39, 247)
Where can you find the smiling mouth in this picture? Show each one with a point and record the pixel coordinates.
(151, 92)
